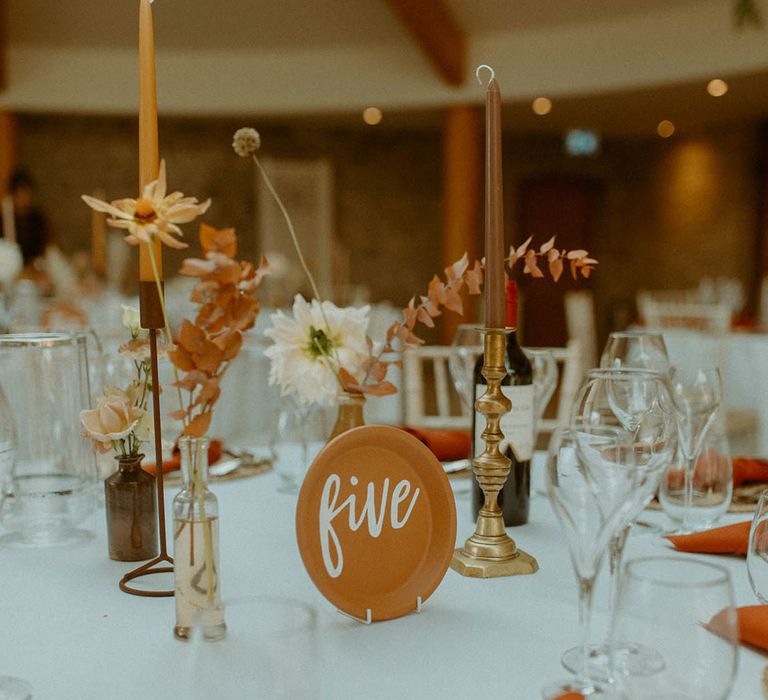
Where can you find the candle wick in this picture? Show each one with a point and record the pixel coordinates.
(487, 67)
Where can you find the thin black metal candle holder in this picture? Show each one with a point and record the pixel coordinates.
(152, 319)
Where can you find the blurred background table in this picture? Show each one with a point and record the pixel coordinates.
(743, 361)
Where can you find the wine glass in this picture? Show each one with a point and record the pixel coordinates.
(757, 554)
(684, 608)
(545, 376)
(466, 348)
(590, 475)
(696, 394)
(10, 688)
(712, 482)
(636, 402)
(636, 349)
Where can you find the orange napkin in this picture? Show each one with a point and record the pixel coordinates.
(731, 539)
(753, 625)
(174, 463)
(446, 445)
(746, 469)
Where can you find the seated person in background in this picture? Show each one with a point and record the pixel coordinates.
(32, 231)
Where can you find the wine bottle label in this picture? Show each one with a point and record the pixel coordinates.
(517, 425)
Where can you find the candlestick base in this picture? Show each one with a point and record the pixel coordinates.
(522, 563)
(490, 552)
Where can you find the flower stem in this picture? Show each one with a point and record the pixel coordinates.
(167, 329)
(291, 230)
(302, 261)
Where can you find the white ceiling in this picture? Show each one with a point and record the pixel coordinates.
(617, 64)
(244, 24)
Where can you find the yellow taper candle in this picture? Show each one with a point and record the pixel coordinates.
(149, 153)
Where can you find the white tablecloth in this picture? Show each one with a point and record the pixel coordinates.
(743, 360)
(66, 627)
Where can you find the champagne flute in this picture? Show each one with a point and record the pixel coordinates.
(675, 604)
(590, 475)
(636, 402)
(696, 394)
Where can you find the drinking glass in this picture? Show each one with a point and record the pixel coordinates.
(636, 349)
(298, 437)
(52, 486)
(10, 688)
(696, 395)
(757, 554)
(711, 483)
(666, 603)
(636, 402)
(271, 650)
(590, 476)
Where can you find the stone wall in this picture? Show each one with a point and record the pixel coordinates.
(671, 210)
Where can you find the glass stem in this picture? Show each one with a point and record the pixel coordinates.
(586, 588)
(688, 504)
(615, 557)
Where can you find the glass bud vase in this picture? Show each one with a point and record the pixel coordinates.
(196, 547)
(350, 413)
(131, 504)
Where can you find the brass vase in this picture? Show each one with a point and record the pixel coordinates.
(131, 505)
(350, 413)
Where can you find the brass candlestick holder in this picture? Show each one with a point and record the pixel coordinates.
(152, 319)
(490, 552)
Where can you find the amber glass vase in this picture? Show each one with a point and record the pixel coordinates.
(131, 504)
(196, 547)
(350, 413)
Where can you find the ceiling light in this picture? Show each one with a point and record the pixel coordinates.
(665, 129)
(717, 87)
(372, 115)
(542, 106)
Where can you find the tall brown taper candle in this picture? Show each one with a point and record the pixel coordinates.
(494, 211)
(149, 153)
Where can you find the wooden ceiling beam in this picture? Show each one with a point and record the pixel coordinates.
(3, 44)
(437, 33)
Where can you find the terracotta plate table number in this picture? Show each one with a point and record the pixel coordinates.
(376, 522)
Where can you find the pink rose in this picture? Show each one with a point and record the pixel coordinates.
(114, 418)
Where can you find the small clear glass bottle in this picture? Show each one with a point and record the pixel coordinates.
(196, 547)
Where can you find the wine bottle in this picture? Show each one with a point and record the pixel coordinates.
(517, 425)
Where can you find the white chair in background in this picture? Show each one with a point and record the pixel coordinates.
(420, 364)
(712, 322)
(661, 313)
(581, 325)
(451, 412)
(571, 367)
